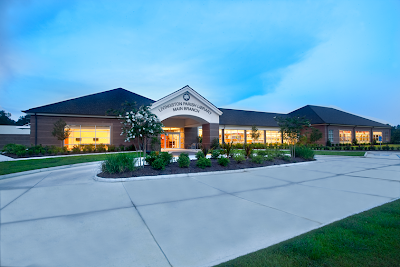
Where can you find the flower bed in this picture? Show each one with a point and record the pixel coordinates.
(173, 168)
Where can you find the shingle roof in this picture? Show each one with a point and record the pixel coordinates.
(322, 115)
(248, 118)
(95, 104)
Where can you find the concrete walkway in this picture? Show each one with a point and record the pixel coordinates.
(65, 218)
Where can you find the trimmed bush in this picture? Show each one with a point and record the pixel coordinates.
(304, 152)
(200, 155)
(118, 163)
(183, 160)
(262, 153)
(158, 164)
(203, 163)
(258, 159)
(152, 157)
(223, 161)
(215, 153)
(166, 157)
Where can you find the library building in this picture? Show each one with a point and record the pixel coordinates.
(186, 115)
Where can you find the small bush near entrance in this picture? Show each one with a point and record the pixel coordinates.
(118, 163)
(215, 153)
(304, 152)
(223, 161)
(199, 155)
(166, 157)
(183, 160)
(203, 163)
(159, 164)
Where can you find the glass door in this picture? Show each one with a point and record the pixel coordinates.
(170, 140)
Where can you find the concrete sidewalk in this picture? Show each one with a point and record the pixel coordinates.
(65, 218)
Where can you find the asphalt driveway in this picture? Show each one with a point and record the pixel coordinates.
(65, 218)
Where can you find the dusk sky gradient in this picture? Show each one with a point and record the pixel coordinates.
(273, 56)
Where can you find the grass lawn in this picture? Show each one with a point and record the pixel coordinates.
(371, 238)
(7, 167)
(338, 153)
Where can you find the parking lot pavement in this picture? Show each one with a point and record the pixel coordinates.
(65, 218)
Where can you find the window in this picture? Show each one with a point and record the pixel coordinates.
(386, 136)
(87, 135)
(330, 135)
(376, 136)
(235, 136)
(345, 136)
(250, 139)
(273, 137)
(362, 136)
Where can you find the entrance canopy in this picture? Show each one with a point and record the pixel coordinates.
(185, 108)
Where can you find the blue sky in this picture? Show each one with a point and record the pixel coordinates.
(258, 55)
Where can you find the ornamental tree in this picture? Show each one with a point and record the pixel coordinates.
(140, 124)
(291, 127)
(255, 133)
(61, 130)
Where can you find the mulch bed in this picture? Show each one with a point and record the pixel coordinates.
(173, 168)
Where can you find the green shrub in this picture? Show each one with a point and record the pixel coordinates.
(166, 157)
(205, 151)
(111, 148)
(21, 153)
(239, 158)
(158, 164)
(14, 149)
(199, 155)
(76, 149)
(150, 158)
(228, 148)
(101, 148)
(262, 153)
(215, 153)
(184, 154)
(258, 159)
(304, 152)
(118, 163)
(183, 160)
(203, 162)
(286, 158)
(223, 161)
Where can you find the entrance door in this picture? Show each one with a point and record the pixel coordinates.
(170, 140)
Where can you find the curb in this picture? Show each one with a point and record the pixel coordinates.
(11, 175)
(168, 176)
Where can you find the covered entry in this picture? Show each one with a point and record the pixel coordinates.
(182, 112)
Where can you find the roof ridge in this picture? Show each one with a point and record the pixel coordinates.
(316, 113)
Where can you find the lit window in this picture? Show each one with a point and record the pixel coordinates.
(250, 140)
(87, 135)
(345, 136)
(362, 136)
(376, 136)
(273, 137)
(235, 136)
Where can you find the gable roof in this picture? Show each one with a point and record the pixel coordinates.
(248, 118)
(95, 104)
(325, 115)
(190, 90)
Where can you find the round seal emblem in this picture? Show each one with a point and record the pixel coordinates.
(186, 96)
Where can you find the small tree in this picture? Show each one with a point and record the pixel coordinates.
(315, 135)
(61, 130)
(291, 127)
(140, 124)
(255, 134)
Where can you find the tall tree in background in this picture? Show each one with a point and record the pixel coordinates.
(5, 118)
(395, 135)
(291, 127)
(23, 120)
